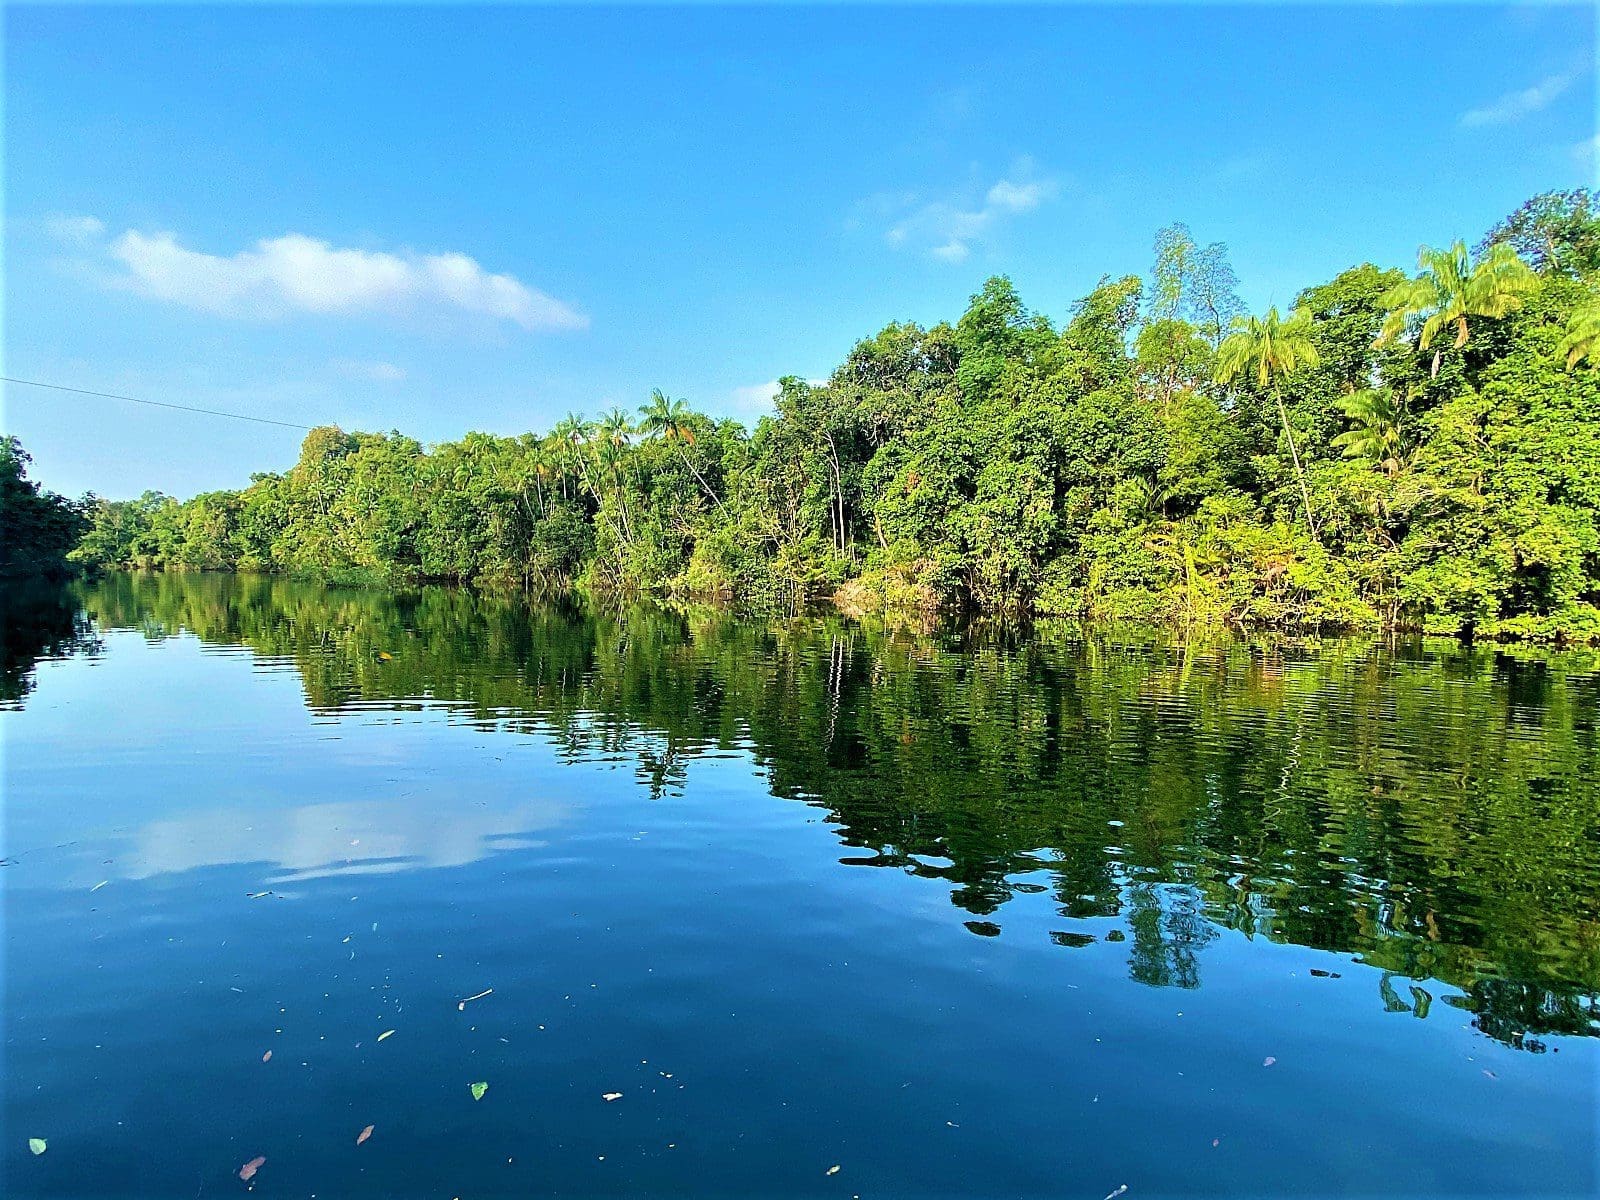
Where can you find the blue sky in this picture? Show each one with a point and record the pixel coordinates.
(443, 219)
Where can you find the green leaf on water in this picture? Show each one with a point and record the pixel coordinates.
(37, 1145)
(478, 1089)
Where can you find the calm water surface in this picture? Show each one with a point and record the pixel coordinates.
(838, 911)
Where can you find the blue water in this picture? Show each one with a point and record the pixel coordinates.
(874, 955)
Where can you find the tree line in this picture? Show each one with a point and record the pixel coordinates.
(1404, 450)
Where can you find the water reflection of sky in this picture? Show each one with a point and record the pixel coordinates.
(809, 1013)
(345, 838)
(251, 785)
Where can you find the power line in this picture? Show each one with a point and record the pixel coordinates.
(210, 412)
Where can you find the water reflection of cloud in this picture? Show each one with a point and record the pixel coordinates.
(366, 837)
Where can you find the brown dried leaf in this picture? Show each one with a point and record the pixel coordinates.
(364, 1134)
(248, 1171)
(267, 1057)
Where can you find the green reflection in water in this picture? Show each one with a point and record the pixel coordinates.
(1432, 809)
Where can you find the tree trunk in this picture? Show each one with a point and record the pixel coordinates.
(1299, 473)
(838, 490)
(706, 487)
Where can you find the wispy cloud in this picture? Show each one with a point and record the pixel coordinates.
(754, 401)
(295, 273)
(375, 372)
(74, 231)
(949, 227)
(1514, 106)
(953, 105)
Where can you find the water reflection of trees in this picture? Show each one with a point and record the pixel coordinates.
(1430, 809)
(38, 620)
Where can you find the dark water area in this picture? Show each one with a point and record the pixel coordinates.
(798, 908)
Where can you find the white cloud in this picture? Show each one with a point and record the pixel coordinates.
(341, 837)
(1514, 106)
(1006, 196)
(74, 231)
(948, 228)
(294, 273)
(376, 372)
(754, 401)
(755, 397)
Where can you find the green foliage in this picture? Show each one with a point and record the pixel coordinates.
(1450, 289)
(1401, 452)
(37, 528)
(1554, 233)
(1266, 352)
(1582, 340)
(1194, 284)
(1375, 435)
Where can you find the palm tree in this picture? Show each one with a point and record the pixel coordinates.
(573, 432)
(614, 427)
(1583, 335)
(1450, 289)
(1151, 496)
(612, 464)
(1376, 436)
(578, 435)
(669, 420)
(539, 462)
(615, 432)
(1270, 349)
(516, 472)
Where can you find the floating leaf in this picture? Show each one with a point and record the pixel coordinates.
(37, 1145)
(1268, 1061)
(385, 1033)
(478, 1089)
(267, 1057)
(248, 1171)
(834, 1170)
(365, 1134)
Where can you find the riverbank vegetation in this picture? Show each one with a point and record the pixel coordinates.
(38, 528)
(1394, 449)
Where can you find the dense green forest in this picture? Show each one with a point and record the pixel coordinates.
(37, 528)
(1396, 450)
(1425, 806)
